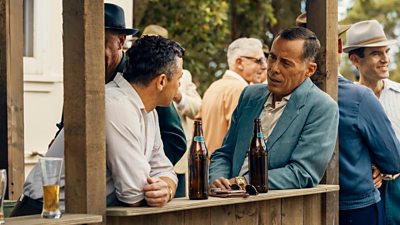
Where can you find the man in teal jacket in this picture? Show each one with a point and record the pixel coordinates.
(299, 121)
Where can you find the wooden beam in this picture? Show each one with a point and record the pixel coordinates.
(322, 18)
(11, 96)
(84, 107)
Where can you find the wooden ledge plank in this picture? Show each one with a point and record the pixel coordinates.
(179, 204)
(66, 219)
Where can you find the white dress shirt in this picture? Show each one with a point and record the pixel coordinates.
(133, 142)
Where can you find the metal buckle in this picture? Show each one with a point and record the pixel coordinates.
(390, 176)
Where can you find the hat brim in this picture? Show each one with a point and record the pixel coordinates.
(347, 49)
(343, 28)
(127, 31)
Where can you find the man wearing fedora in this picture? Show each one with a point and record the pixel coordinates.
(365, 135)
(138, 171)
(368, 50)
(115, 36)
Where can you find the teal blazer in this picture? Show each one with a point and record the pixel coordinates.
(299, 147)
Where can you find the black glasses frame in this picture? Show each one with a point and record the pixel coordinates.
(259, 61)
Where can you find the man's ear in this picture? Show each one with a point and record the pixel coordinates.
(311, 68)
(121, 40)
(161, 82)
(355, 60)
(239, 63)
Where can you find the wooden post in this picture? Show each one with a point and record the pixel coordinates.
(84, 107)
(322, 18)
(11, 96)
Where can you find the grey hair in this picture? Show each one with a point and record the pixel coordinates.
(242, 47)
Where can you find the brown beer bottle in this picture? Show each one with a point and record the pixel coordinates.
(198, 165)
(258, 159)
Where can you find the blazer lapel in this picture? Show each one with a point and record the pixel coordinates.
(296, 101)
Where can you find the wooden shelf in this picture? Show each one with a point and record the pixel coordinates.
(66, 219)
(180, 204)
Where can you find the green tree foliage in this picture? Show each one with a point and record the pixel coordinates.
(201, 26)
(206, 27)
(387, 12)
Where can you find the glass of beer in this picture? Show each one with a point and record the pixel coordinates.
(51, 171)
(3, 185)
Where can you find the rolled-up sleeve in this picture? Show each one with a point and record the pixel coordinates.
(125, 156)
(160, 164)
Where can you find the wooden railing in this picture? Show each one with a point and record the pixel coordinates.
(286, 207)
(66, 219)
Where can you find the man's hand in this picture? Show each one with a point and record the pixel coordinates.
(156, 192)
(376, 175)
(222, 183)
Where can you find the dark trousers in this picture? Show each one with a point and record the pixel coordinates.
(370, 215)
(26, 206)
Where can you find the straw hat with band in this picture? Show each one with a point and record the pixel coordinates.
(301, 21)
(114, 19)
(367, 33)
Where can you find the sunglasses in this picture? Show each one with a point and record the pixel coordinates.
(250, 189)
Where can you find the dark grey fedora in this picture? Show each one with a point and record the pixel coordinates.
(114, 19)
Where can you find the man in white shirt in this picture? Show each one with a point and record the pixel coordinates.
(138, 172)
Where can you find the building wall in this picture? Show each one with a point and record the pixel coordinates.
(43, 77)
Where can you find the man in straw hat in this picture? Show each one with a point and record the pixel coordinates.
(368, 50)
(359, 144)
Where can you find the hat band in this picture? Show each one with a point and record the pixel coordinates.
(372, 40)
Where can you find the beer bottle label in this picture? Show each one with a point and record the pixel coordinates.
(260, 135)
(198, 138)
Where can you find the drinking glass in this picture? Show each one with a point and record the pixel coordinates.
(3, 185)
(51, 171)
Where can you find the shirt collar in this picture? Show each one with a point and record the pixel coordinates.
(390, 85)
(128, 89)
(270, 97)
(233, 74)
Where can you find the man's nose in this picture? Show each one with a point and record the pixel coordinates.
(385, 57)
(264, 65)
(273, 66)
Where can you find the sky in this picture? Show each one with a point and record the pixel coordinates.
(343, 5)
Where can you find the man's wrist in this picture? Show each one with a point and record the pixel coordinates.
(170, 193)
(241, 182)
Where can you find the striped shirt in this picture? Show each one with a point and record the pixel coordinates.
(390, 100)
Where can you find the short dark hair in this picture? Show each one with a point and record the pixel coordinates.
(149, 57)
(311, 43)
(357, 51)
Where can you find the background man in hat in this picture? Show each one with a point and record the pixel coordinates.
(360, 143)
(299, 120)
(115, 36)
(368, 50)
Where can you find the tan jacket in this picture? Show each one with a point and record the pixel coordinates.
(219, 102)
